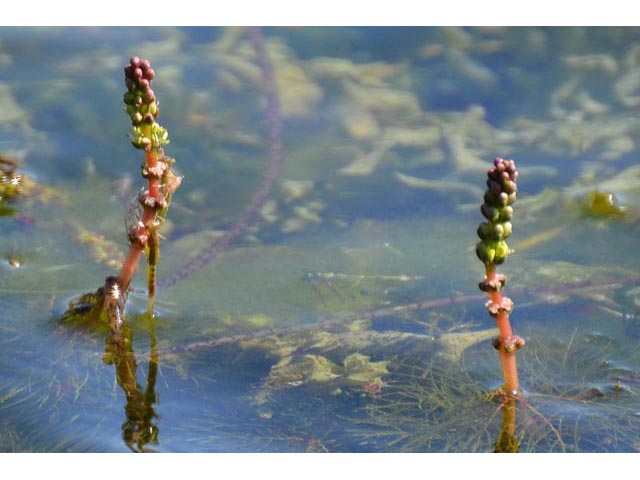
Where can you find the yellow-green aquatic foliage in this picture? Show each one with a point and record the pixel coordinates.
(602, 204)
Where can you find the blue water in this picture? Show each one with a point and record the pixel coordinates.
(387, 133)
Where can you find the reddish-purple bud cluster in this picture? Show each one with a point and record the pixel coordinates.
(140, 98)
(500, 194)
(142, 106)
(501, 184)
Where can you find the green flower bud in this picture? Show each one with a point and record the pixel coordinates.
(501, 252)
(509, 186)
(129, 98)
(485, 253)
(505, 214)
(507, 229)
(490, 213)
(491, 197)
(484, 230)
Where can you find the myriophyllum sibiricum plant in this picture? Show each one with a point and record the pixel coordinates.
(492, 250)
(149, 136)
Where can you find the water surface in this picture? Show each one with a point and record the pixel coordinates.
(285, 340)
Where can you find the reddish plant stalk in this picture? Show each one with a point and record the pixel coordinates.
(151, 156)
(149, 136)
(505, 336)
(137, 245)
(130, 265)
(139, 241)
(492, 250)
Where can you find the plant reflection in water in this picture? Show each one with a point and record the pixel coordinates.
(140, 428)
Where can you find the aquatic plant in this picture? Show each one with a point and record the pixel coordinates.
(147, 135)
(602, 204)
(492, 250)
(10, 183)
(147, 212)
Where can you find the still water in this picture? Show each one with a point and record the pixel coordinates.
(344, 313)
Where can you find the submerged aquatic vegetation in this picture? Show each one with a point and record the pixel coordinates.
(602, 204)
(15, 184)
(10, 184)
(426, 404)
(219, 304)
(10, 180)
(276, 158)
(582, 393)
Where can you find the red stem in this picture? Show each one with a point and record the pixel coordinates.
(154, 182)
(136, 250)
(508, 359)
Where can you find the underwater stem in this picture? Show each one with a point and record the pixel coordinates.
(507, 439)
(276, 158)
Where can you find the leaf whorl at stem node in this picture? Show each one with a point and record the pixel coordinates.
(156, 203)
(508, 345)
(505, 306)
(153, 172)
(493, 285)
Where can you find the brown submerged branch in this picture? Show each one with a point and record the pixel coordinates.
(331, 322)
(276, 158)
